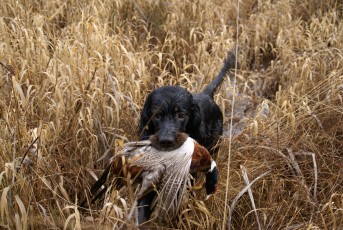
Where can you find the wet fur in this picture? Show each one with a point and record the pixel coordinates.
(171, 110)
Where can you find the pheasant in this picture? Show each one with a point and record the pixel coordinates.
(167, 172)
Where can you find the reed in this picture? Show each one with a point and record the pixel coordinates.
(74, 76)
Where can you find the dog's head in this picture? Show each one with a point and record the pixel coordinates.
(167, 112)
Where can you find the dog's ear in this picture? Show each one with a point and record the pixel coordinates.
(146, 126)
(194, 119)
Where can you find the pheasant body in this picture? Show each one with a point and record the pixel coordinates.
(167, 172)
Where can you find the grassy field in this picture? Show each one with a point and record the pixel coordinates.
(74, 76)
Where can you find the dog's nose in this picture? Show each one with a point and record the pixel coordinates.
(166, 141)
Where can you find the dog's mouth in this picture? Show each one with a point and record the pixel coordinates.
(179, 140)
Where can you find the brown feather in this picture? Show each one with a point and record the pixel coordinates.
(166, 172)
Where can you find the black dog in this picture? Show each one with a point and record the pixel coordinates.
(171, 110)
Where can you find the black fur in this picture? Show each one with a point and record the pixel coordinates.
(170, 110)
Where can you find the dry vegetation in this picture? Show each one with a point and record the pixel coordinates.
(74, 76)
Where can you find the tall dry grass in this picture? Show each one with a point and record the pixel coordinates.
(74, 76)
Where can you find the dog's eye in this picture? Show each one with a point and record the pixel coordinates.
(157, 116)
(181, 115)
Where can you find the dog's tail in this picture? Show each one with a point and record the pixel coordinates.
(229, 63)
